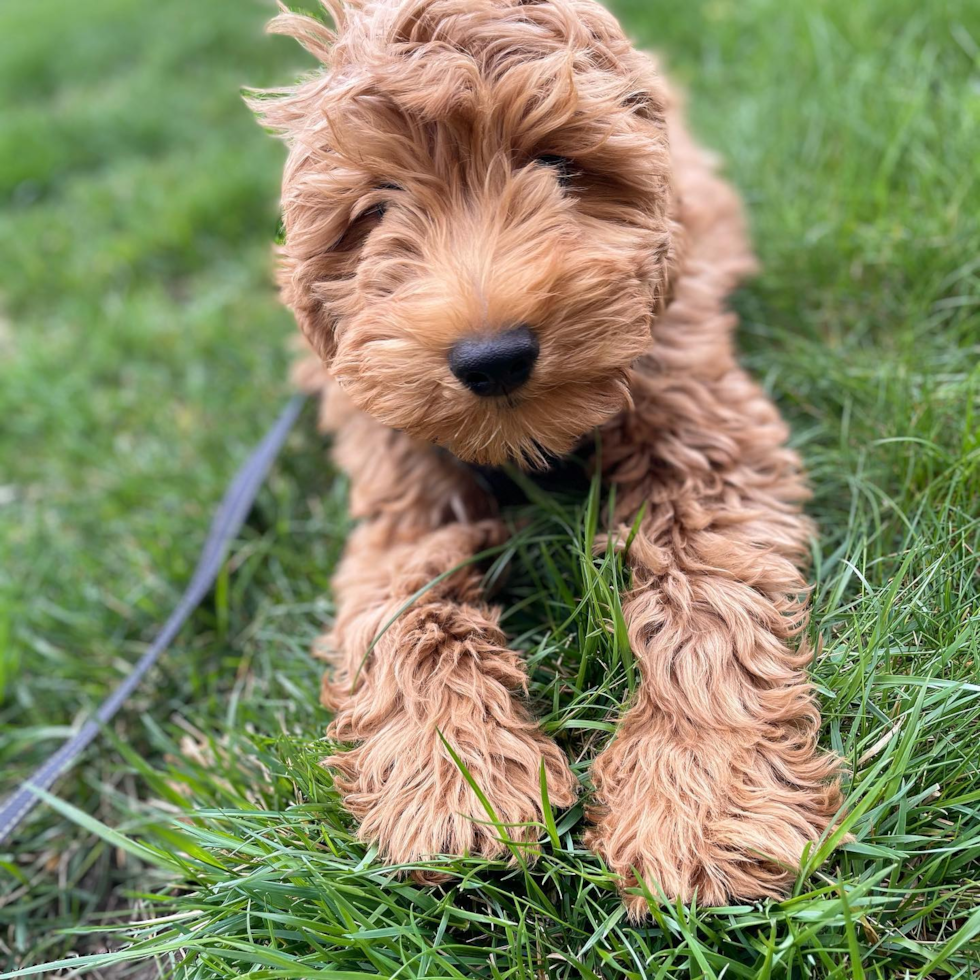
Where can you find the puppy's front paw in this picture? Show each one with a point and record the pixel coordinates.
(717, 819)
(415, 803)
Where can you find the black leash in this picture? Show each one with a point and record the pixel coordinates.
(227, 522)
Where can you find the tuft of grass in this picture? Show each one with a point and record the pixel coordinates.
(142, 351)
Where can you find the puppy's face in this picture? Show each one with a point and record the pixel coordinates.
(475, 210)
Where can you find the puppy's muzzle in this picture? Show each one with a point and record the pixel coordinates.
(497, 364)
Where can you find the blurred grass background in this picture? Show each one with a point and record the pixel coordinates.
(142, 351)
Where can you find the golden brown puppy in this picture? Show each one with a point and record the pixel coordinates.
(499, 236)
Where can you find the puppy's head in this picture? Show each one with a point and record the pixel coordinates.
(475, 213)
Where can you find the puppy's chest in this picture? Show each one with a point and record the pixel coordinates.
(566, 476)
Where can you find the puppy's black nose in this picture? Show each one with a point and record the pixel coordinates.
(495, 365)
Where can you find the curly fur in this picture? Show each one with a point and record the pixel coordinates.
(418, 211)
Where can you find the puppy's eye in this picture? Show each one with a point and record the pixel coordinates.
(376, 211)
(360, 227)
(562, 166)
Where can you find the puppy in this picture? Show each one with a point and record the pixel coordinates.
(499, 237)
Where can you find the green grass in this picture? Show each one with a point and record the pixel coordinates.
(142, 351)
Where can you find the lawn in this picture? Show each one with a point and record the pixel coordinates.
(142, 351)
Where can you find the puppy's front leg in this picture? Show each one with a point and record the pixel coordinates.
(714, 782)
(406, 671)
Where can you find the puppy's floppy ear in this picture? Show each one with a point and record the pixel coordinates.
(672, 261)
(296, 115)
(704, 213)
(653, 102)
(298, 291)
